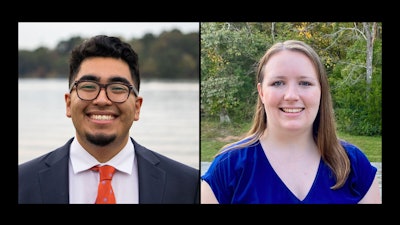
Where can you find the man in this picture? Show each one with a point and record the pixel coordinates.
(103, 103)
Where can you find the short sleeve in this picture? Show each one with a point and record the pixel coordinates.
(362, 171)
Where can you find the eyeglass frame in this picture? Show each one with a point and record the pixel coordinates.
(130, 87)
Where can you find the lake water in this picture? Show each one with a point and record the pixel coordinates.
(169, 118)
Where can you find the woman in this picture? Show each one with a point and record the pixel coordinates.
(292, 153)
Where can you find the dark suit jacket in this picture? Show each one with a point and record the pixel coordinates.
(44, 180)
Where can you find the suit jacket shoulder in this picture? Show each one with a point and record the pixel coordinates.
(45, 179)
(162, 180)
(165, 180)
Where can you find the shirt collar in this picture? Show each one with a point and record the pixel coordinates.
(81, 160)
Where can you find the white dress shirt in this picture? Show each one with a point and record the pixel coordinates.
(83, 182)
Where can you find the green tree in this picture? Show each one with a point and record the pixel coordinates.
(351, 53)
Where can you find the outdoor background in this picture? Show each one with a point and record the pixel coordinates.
(169, 66)
(351, 53)
(220, 58)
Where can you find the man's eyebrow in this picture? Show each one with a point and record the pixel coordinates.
(119, 79)
(90, 77)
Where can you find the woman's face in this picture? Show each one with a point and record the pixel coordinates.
(290, 91)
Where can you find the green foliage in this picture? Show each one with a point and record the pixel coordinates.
(171, 55)
(220, 95)
(358, 105)
(230, 52)
(358, 111)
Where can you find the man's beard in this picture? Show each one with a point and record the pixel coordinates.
(100, 140)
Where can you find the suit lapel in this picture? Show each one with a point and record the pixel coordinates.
(152, 179)
(54, 180)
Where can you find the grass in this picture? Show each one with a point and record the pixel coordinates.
(214, 135)
(371, 146)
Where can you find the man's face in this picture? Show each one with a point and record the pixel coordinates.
(101, 122)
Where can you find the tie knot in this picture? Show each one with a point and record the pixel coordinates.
(106, 172)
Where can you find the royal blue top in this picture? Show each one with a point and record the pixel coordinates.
(245, 176)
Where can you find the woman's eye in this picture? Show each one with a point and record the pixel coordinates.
(277, 83)
(305, 83)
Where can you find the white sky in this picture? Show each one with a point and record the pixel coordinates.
(32, 35)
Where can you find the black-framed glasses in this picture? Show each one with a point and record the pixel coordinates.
(116, 92)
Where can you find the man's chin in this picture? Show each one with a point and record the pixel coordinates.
(100, 139)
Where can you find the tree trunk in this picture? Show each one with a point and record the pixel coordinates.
(224, 117)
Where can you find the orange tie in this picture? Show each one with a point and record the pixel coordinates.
(105, 193)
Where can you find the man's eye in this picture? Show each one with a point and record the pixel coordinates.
(88, 87)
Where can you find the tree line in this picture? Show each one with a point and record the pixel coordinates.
(350, 51)
(226, 54)
(170, 55)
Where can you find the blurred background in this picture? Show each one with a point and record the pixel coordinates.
(169, 66)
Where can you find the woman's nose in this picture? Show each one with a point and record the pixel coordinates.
(291, 92)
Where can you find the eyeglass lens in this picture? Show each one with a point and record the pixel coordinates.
(116, 92)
